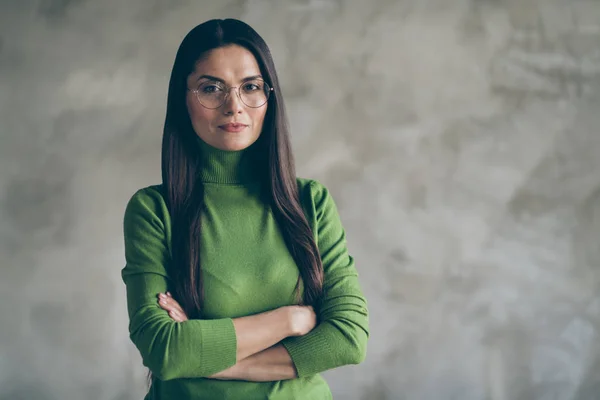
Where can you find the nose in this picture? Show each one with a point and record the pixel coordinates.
(233, 104)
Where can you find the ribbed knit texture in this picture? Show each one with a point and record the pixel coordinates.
(247, 269)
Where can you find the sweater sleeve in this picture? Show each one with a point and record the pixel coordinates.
(341, 336)
(190, 349)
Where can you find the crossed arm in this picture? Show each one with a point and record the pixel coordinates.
(271, 364)
(247, 348)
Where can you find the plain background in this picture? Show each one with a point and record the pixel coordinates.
(460, 139)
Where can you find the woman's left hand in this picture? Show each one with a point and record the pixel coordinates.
(168, 303)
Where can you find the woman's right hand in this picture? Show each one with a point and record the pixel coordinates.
(302, 319)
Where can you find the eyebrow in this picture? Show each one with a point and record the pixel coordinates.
(214, 78)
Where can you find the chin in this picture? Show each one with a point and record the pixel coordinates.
(233, 148)
(235, 145)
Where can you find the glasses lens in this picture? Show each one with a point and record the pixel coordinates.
(211, 94)
(255, 93)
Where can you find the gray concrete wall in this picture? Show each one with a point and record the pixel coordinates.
(461, 139)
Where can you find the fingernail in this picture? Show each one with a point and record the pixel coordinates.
(168, 293)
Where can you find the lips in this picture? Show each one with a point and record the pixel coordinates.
(233, 127)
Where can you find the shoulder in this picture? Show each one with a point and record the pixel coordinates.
(315, 189)
(147, 202)
(314, 195)
(150, 196)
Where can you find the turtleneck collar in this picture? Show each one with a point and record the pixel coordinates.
(229, 167)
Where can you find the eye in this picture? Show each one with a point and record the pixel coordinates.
(252, 86)
(210, 87)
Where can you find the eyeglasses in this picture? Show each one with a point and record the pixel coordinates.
(213, 94)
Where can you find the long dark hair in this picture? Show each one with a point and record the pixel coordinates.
(180, 160)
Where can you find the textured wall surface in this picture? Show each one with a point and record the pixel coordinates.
(460, 138)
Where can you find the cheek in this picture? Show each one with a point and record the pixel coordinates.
(198, 114)
(259, 116)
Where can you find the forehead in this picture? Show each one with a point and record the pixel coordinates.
(231, 63)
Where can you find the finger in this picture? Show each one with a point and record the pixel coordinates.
(166, 305)
(166, 296)
(172, 303)
(177, 316)
(173, 314)
(166, 299)
(163, 302)
(181, 315)
(178, 308)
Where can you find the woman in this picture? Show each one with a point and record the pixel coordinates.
(239, 283)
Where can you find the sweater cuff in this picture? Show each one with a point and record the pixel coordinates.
(304, 350)
(220, 351)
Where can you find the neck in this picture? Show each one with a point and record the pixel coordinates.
(229, 167)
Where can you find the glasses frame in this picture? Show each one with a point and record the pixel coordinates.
(227, 91)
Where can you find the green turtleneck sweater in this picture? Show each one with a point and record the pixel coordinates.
(247, 269)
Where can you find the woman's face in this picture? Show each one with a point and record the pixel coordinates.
(232, 65)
